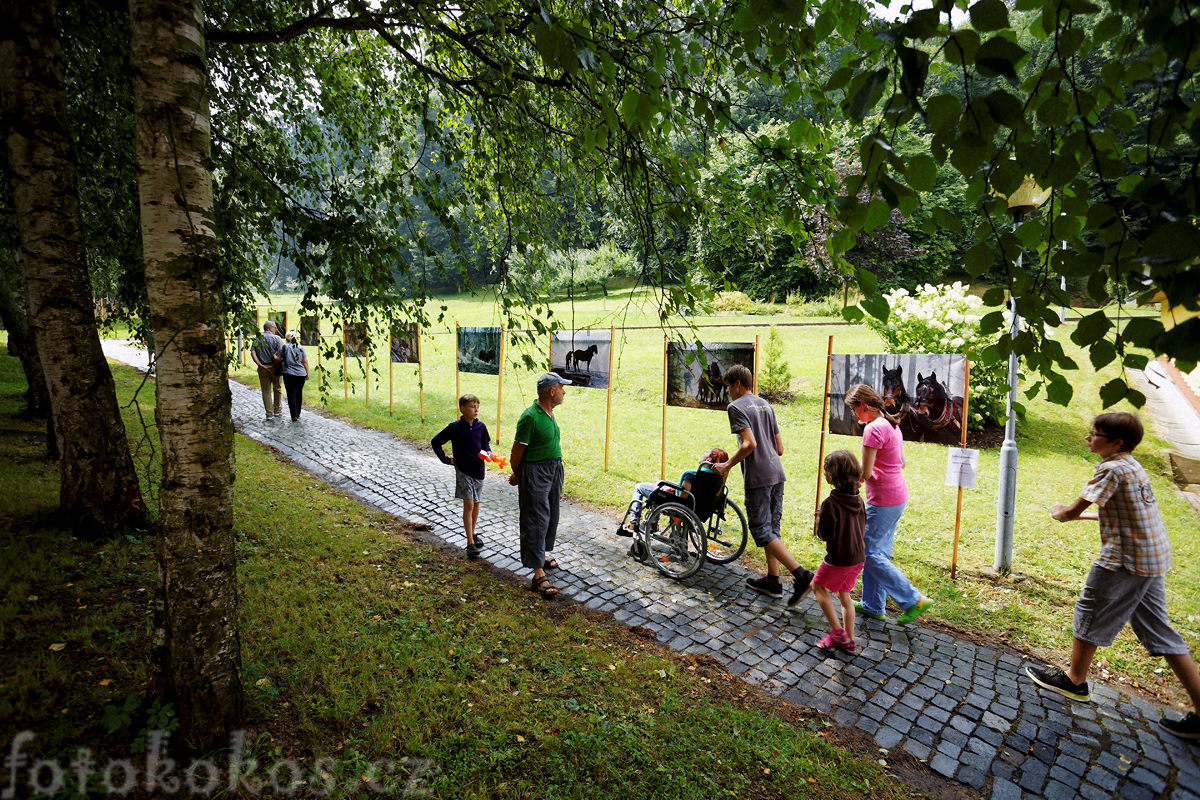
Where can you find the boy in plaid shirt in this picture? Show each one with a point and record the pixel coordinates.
(1125, 583)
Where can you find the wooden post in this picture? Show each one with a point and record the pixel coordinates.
(457, 390)
(608, 409)
(662, 469)
(958, 504)
(390, 386)
(318, 353)
(367, 364)
(420, 376)
(345, 385)
(824, 429)
(757, 359)
(499, 384)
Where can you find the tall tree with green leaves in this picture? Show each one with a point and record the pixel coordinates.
(197, 655)
(99, 490)
(1033, 102)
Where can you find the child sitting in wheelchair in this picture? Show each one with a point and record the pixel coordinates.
(654, 493)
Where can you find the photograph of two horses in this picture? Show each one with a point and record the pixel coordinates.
(922, 392)
(694, 372)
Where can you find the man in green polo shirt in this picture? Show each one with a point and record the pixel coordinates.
(538, 475)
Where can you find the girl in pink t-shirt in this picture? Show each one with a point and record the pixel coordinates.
(887, 494)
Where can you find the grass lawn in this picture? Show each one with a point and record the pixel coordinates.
(361, 642)
(1031, 611)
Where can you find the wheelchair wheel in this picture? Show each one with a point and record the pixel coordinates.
(727, 537)
(674, 540)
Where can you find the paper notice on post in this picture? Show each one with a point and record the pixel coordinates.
(962, 464)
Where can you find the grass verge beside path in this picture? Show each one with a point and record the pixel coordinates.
(360, 642)
(1032, 612)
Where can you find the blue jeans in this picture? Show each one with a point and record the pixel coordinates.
(880, 577)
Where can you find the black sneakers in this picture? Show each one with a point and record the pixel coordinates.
(800, 588)
(1186, 728)
(1057, 681)
(768, 585)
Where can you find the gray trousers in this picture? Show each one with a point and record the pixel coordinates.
(539, 486)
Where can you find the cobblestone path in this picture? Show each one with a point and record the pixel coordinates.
(967, 710)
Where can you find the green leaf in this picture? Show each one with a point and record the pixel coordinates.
(852, 313)
(1059, 390)
(878, 214)
(922, 172)
(1091, 328)
(961, 47)
(1113, 392)
(838, 79)
(994, 296)
(947, 220)
(867, 94)
(999, 57)
(979, 259)
(1052, 112)
(989, 15)
(629, 105)
(1174, 243)
(1136, 360)
(842, 241)
(942, 111)
(877, 307)
(867, 281)
(1101, 354)
(1005, 108)
(1141, 331)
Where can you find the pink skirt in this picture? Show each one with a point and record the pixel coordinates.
(837, 579)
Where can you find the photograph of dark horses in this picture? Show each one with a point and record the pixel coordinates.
(694, 371)
(922, 393)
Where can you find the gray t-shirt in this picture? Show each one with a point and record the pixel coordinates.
(266, 346)
(293, 360)
(762, 467)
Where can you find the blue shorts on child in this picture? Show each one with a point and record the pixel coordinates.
(467, 487)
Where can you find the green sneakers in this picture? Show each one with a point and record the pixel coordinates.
(914, 612)
(859, 608)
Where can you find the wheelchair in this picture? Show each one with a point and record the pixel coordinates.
(680, 529)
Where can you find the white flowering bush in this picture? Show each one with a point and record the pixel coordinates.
(943, 319)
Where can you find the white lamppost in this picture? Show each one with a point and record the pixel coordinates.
(1026, 198)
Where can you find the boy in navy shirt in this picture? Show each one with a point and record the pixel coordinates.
(467, 437)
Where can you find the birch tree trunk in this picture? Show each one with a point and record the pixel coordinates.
(196, 655)
(98, 485)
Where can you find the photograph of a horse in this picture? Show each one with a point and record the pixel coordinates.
(581, 357)
(355, 339)
(479, 350)
(694, 371)
(280, 318)
(310, 331)
(404, 343)
(922, 392)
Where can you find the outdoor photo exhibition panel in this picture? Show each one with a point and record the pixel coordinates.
(479, 350)
(694, 371)
(692, 378)
(585, 358)
(925, 394)
(405, 348)
(582, 357)
(356, 343)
